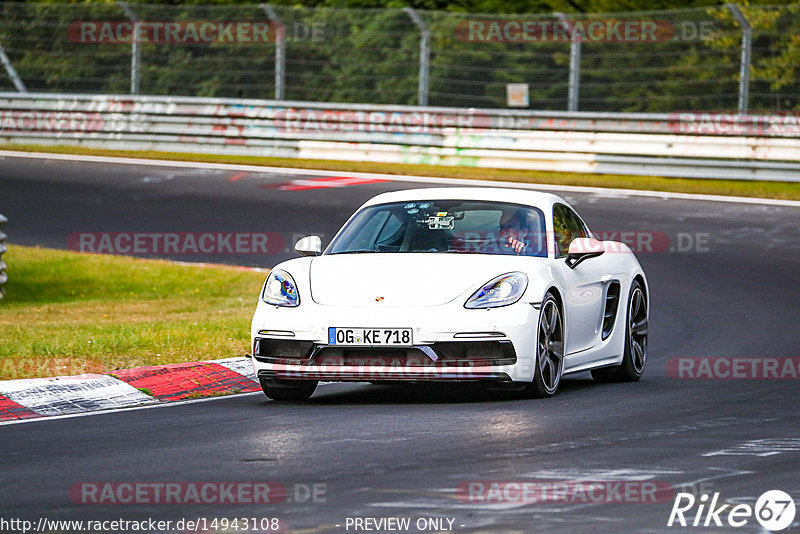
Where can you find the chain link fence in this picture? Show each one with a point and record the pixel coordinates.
(658, 61)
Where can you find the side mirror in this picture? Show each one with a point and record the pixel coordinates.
(309, 246)
(582, 249)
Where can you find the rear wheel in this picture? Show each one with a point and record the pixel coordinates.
(635, 357)
(288, 390)
(549, 350)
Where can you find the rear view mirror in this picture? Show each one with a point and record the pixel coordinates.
(309, 246)
(583, 248)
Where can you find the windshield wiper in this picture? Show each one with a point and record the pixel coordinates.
(359, 251)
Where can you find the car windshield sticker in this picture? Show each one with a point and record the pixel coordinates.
(441, 222)
(409, 206)
(441, 214)
(412, 211)
(424, 206)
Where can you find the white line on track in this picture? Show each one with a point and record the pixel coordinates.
(398, 178)
(154, 404)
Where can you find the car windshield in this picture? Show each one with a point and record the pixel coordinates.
(431, 226)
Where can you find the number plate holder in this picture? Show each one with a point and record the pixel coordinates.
(370, 337)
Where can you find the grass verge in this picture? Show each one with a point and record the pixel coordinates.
(742, 188)
(68, 313)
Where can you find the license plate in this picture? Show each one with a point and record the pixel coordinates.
(369, 336)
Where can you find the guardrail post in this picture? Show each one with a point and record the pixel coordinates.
(424, 55)
(280, 51)
(12, 72)
(574, 64)
(744, 68)
(135, 47)
(3, 275)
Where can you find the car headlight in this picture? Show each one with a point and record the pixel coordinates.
(501, 291)
(280, 289)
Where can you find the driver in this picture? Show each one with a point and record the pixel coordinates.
(515, 227)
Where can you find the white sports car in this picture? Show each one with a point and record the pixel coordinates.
(494, 285)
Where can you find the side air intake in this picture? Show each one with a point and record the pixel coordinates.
(610, 311)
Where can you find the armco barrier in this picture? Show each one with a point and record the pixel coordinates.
(683, 144)
(3, 275)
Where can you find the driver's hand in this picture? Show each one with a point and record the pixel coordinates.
(515, 244)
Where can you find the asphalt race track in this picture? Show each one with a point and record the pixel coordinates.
(724, 285)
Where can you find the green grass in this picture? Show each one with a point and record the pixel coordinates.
(69, 313)
(744, 188)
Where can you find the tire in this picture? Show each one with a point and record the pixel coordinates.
(294, 390)
(636, 327)
(549, 350)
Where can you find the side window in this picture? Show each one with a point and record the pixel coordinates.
(368, 230)
(391, 235)
(567, 226)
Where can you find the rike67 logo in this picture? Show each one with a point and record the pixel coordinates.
(774, 510)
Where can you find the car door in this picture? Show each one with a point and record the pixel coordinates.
(584, 284)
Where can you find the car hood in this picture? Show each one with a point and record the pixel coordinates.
(405, 280)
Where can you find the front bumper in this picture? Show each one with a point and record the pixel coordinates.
(450, 343)
(444, 360)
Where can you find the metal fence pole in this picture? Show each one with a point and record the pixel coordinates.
(744, 69)
(12, 73)
(574, 64)
(135, 47)
(424, 55)
(3, 275)
(280, 51)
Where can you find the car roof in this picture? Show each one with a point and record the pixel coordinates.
(529, 197)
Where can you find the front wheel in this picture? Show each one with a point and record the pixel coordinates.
(288, 390)
(635, 358)
(549, 350)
